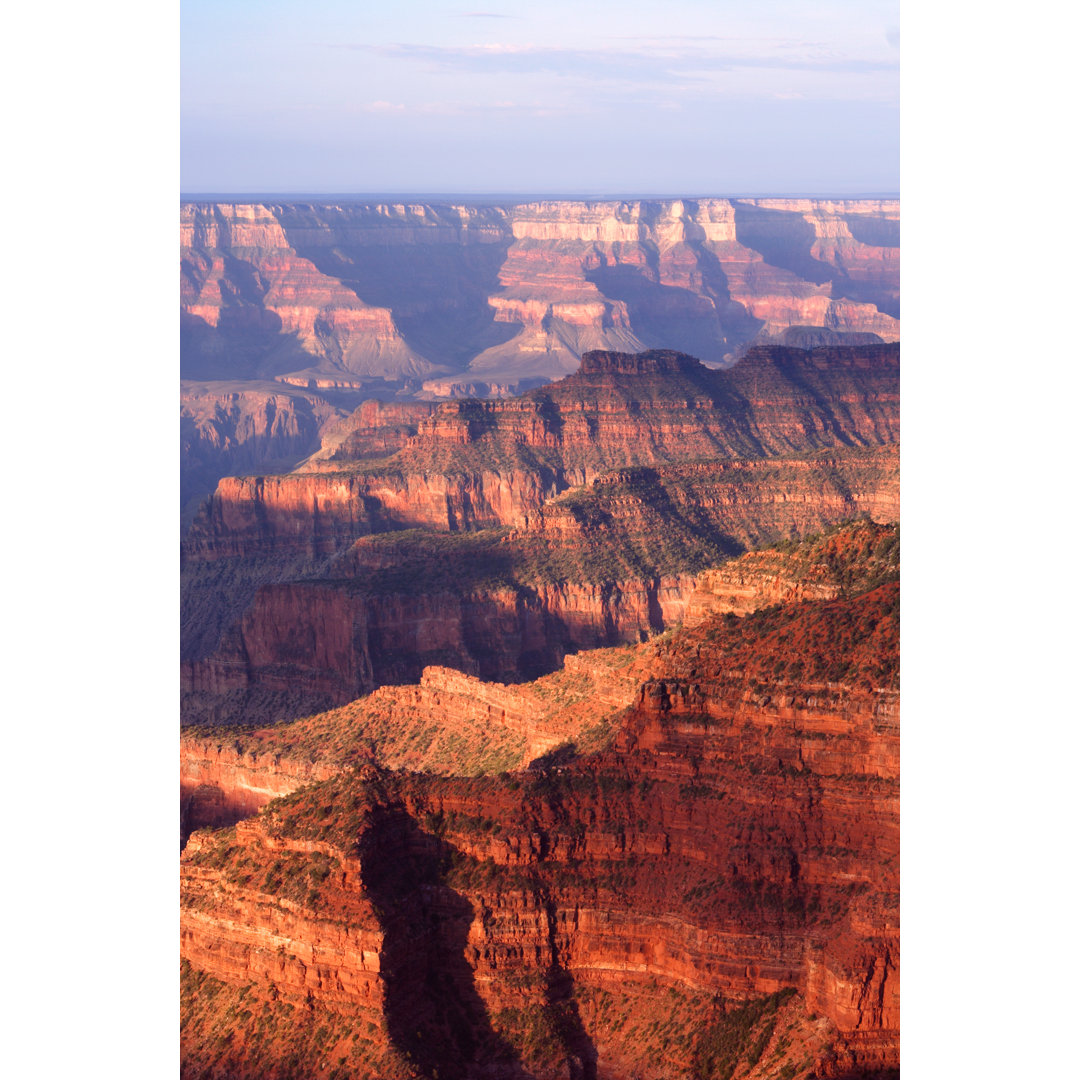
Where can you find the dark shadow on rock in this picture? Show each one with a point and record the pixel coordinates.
(435, 1017)
(785, 238)
(663, 316)
(557, 758)
(562, 1008)
(437, 291)
(874, 231)
(248, 343)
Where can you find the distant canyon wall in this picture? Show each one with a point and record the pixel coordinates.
(490, 299)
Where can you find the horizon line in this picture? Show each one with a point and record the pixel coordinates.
(503, 195)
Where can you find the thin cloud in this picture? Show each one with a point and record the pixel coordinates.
(482, 15)
(462, 108)
(779, 41)
(599, 65)
(892, 36)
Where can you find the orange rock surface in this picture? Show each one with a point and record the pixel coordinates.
(306, 588)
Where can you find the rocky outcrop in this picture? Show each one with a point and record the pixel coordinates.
(450, 723)
(732, 856)
(222, 782)
(237, 427)
(334, 642)
(844, 561)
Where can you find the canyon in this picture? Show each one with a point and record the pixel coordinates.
(707, 888)
(539, 640)
(505, 534)
(354, 301)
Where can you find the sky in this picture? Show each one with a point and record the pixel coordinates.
(565, 97)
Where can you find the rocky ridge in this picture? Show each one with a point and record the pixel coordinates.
(713, 894)
(477, 464)
(470, 548)
(448, 723)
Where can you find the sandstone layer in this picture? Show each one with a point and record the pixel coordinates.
(475, 464)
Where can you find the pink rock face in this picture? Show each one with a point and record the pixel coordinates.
(237, 260)
(506, 293)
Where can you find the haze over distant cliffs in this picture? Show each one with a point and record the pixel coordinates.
(463, 300)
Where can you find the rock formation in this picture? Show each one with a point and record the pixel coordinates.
(712, 891)
(504, 534)
(393, 301)
(521, 290)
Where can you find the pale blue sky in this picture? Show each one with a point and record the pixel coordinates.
(571, 96)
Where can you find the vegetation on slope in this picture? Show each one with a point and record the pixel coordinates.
(669, 1030)
(392, 728)
(855, 642)
(631, 525)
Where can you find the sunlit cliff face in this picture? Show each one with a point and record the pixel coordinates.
(731, 841)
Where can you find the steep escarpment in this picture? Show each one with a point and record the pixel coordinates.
(503, 535)
(498, 294)
(715, 891)
(477, 464)
(612, 563)
(231, 427)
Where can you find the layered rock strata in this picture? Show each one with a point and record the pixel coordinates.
(615, 564)
(319, 585)
(623, 913)
(330, 293)
(250, 305)
(483, 464)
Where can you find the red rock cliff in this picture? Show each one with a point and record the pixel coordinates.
(739, 838)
